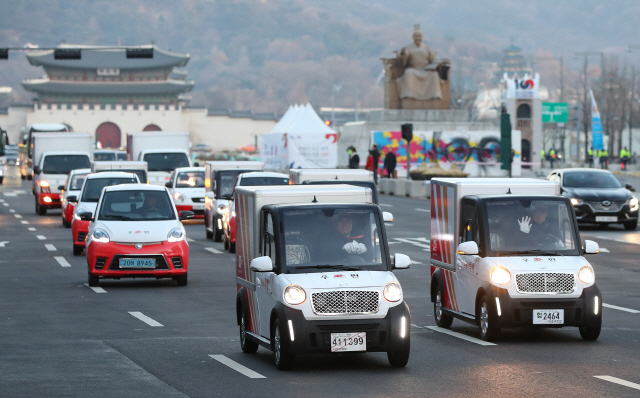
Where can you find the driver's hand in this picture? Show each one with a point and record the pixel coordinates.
(525, 224)
(354, 248)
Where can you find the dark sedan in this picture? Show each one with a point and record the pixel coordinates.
(598, 197)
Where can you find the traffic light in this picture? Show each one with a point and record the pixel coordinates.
(407, 131)
(4, 53)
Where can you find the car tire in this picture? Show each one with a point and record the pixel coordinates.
(442, 320)
(247, 346)
(66, 223)
(232, 247)
(226, 243)
(29, 178)
(399, 358)
(22, 177)
(631, 225)
(217, 233)
(41, 210)
(487, 320)
(77, 250)
(282, 359)
(181, 280)
(94, 280)
(591, 332)
(1, 179)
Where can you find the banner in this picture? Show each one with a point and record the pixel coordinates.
(273, 151)
(316, 151)
(521, 87)
(596, 126)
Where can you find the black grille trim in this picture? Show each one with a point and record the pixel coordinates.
(344, 328)
(100, 262)
(177, 262)
(81, 236)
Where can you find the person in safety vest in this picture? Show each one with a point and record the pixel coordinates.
(590, 157)
(603, 155)
(552, 156)
(542, 153)
(625, 156)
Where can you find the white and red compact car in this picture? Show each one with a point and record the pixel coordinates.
(186, 186)
(71, 189)
(88, 199)
(136, 233)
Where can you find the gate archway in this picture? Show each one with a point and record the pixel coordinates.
(151, 127)
(108, 135)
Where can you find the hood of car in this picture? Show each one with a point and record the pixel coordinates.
(599, 194)
(137, 231)
(342, 279)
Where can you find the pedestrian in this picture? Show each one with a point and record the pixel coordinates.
(552, 156)
(625, 156)
(369, 164)
(542, 153)
(354, 158)
(375, 155)
(590, 157)
(603, 156)
(390, 162)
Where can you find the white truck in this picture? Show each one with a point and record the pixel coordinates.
(507, 253)
(219, 180)
(25, 152)
(164, 151)
(55, 155)
(314, 274)
(128, 166)
(299, 176)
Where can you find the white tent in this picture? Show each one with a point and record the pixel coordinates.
(299, 140)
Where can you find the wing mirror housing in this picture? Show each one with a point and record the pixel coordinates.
(85, 215)
(72, 198)
(591, 247)
(629, 187)
(387, 217)
(468, 248)
(261, 264)
(60, 187)
(401, 261)
(168, 184)
(36, 169)
(209, 195)
(186, 215)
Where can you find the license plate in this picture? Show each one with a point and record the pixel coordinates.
(548, 317)
(198, 206)
(137, 263)
(342, 342)
(606, 218)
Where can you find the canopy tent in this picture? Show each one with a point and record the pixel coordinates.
(299, 140)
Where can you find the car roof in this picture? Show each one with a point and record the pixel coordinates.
(110, 174)
(80, 171)
(187, 169)
(135, 187)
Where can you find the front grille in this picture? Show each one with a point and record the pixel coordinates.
(177, 262)
(135, 243)
(348, 328)
(81, 236)
(161, 263)
(197, 200)
(100, 261)
(545, 282)
(598, 206)
(345, 302)
(548, 304)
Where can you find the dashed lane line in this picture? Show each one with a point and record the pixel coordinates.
(62, 261)
(615, 240)
(50, 247)
(237, 367)
(615, 307)
(145, 319)
(41, 237)
(17, 215)
(12, 211)
(459, 335)
(384, 205)
(412, 242)
(212, 250)
(5, 204)
(96, 289)
(603, 250)
(32, 229)
(423, 210)
(625, 383)
(24, 222)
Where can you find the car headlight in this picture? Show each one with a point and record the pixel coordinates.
(175, 235)
(44, 187)
(294, 295)
(179, 197)
(100, 236)
(392, 292)
(633, 203)
(500, 276)
(221, 208)
(575, 201)
(586, 275)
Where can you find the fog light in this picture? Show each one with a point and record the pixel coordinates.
(219, 223)
(403, 327)
(498, 307)
(596, 305)
(46, 199)
(291, 329)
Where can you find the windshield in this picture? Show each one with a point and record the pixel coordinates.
(258, 181)
(142, 205)
(526, 226)
(94, 186)
(63, 164)
(76, 182)
(227, 180)
(104, 156)
(590, 179)
(166, 161)
(121, 156)
(190, 179)
(332, 237)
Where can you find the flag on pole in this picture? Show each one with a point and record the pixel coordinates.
(596, 126)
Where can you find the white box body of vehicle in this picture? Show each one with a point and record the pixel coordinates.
(4, 142)
(164, 151)
(129, 166)
(186, 186)
(218, 191)
(298, 176)
(25, 155)
(507, 253)
(345, 307)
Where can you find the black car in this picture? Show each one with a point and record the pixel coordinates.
(598, 197)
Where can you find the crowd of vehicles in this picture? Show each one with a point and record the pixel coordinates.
(163, 151)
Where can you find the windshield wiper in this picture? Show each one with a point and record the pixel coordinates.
(534, 252)
(328, 266)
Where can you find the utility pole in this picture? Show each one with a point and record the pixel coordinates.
(585, 105)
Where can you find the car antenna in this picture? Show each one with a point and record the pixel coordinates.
(336, 177)
(314, 199)
(509, 191)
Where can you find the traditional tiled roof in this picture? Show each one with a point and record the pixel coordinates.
(158, 87)
(245, 114)
(219, 112)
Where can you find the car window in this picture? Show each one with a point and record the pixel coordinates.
(63, 164)
(259, 181)
(98, 156)
(76, 182)
(166, 161)
(190, 179)
(93, 187)
(134, 205)
(590, 179)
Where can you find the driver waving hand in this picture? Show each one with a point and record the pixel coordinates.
(538, 227)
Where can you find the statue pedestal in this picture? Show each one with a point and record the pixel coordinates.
(392, 98)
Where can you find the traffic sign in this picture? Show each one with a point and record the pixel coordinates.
(555, 112)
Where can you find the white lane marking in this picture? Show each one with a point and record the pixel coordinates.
(212, 250)
(619, 381)
(17, 215)
(96, 289)
(422, 240)
(3, 243)
(20, 191)
(424, 210)
(41, 237)
(1, 200)
(193, 240)
(50, 247)
(616, 240)
(385, 205)
(237, 367)
(459, 335)
(410, 241)
(6, 204)
(416, 262)
(10, 194)
(615, 307)
(32, 229)
(603, 250)
(12, 211)
(61, 260)
(24, 222)
(145, 319)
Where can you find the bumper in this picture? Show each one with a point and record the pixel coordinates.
(519, 312)
(232, 230)
(172, 259)
(314, 337)
(79, 229)
(68, 212)
(197, 213)
(586, 214)
(52, 201)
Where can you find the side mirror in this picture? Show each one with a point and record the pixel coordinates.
(401, 261)
(387, 217)
(85, 216)
(73, 198)
(629, 187)
(261, 264)
(468, 248)
(209, 195)
(168, 185)
(186, 215)
(60, 187)
(36, 169)
(591, 247)
(196, 164)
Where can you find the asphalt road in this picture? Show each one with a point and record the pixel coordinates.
(148, 338)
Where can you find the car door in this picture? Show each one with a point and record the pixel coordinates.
(263, 281)
(466, 274)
